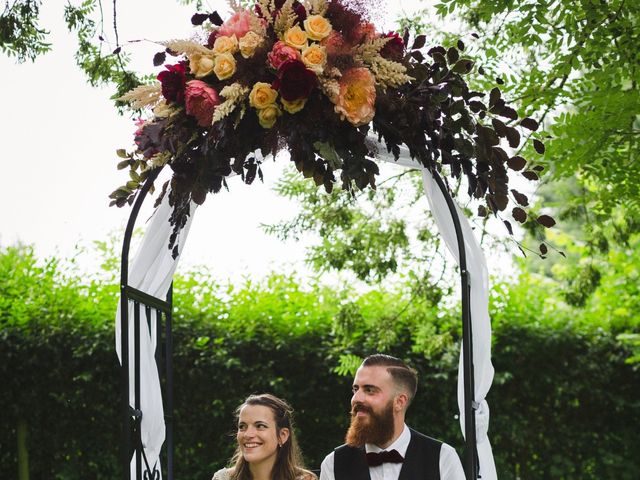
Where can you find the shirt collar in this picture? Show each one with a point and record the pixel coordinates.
(401, 443)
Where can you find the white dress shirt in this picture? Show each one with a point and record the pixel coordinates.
(450, 466)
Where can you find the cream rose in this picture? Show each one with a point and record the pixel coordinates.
(225, 66)
(262, 95)
(267, 116)
(317, 27)
(225, 44)
(249, 43)
(314, 57)
(296, 38)
(295, 106)
(201, 64)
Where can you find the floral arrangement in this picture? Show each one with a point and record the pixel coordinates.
(316, 78)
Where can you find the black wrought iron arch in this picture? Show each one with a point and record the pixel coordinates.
(132, 417)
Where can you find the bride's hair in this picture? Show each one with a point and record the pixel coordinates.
(288, 464)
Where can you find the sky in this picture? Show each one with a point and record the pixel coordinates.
(59, 136)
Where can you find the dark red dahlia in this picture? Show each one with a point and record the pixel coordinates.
(295, 81)
(394, 48)
(173, 82)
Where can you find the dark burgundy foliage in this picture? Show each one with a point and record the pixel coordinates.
(159, 58)
(215, 19)
(546, 221)
(199, 18)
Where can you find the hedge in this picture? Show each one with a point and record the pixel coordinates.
(564, 403)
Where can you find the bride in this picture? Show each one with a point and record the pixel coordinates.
(267, 447)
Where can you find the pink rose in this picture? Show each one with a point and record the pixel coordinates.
(280, 53)
(237, 25)
(201, 101)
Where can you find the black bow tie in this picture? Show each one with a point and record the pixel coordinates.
(376, 459)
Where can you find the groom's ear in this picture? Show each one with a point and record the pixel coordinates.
(400, 402)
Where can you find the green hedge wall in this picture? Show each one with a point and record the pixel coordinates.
(564, 402)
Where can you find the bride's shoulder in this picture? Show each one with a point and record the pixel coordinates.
(223, 474)
(307, 475)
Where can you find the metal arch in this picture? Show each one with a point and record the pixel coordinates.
(470, 462)
(132, 417)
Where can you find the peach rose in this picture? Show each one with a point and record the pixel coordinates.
(239, 24)
(201, 101)
(315, 58)
(357, 97)
(224, 66)
(317, 27)
(201, 64)
(294, 106)
(296, 37)
(249, 43)
(262, 95)
(225, 44)
(280, 53)
(267, 116)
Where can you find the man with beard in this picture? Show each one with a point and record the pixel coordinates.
(378, 444)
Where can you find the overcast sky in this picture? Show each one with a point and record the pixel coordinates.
(58, 163)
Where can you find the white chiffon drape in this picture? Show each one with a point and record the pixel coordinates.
(479, 306)
(152, 271)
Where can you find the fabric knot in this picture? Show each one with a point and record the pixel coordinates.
(375, 459)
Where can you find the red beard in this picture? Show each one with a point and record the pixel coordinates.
(376, 428)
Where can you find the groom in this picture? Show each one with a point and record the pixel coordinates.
(379, 445)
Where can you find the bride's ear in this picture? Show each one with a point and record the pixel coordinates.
(283, 436)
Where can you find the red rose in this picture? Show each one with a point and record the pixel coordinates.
(201, 100)
(295, 81)
(172, 80)
(394, 48)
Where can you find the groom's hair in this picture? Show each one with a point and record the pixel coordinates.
(405, 377)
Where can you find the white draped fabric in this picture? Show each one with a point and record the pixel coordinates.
(152, 271)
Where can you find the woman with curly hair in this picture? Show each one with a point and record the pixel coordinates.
(267, 447)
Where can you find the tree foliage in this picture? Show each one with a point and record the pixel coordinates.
(574, 65)
(21, 36)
